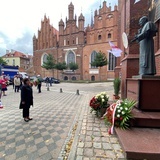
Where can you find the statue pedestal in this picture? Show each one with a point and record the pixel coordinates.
(145, 90)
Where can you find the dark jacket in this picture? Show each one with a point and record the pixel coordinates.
(26, 96)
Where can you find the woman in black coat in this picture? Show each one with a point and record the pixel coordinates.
(26, 99)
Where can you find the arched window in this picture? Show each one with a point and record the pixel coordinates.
(112, 62)
(44, 58)
(70, 57)
(73, 78)
(109, 35)
(92, 78)
(93, 56)
(65, 78)
(99, 37)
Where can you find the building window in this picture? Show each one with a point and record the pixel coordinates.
(76, 40)
(45, 58)
(64, 42)
(92, 78)
(99, 37)
(70, 57)
(68, 43)
(93, 56)
(13, 62)
(112, 62)
(109, 35)
(73, 41)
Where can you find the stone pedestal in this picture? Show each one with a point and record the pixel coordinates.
(145, 90)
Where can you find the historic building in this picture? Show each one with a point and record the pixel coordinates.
(78, 44)
(16, 58)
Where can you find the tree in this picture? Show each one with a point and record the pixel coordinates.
(50, 63)
(73, 66)
(61, 66)
(100, 61)
(2, 61)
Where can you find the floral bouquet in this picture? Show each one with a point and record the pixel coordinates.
(98, 102)
(119, 114)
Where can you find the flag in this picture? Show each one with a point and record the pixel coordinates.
(136, 1)
(115, 50)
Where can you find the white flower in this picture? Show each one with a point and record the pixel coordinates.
(118, 115)
(121, 108)
(102, 100)
(123, 112)
(102, 96)
(119, 111)
(126, 108)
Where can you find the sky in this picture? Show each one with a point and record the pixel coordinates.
(20, 20)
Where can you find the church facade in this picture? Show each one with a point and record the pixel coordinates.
(74, 42)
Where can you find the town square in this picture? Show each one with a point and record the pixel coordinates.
(80, 80)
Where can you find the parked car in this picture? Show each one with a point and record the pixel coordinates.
(52, 80)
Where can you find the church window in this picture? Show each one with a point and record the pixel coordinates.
(109, 35)
(112, 62)
(45, 58)
(70, 57)
(93, 56)
(99, 37)
(76, 40)
(64, 42)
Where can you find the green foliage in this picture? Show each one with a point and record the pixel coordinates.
(116, 84)
(123, 113)
(2, 62)
(73, 66)
(61, 66)
(100, 60)
(50, 63)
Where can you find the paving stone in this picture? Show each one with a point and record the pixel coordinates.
(110, 154)
(44, 136)
(99, 153)
(107, 146)
(97, 145)
(79, 158)
(88, 144)
(81, 144)
(88, 152)
(80, 151)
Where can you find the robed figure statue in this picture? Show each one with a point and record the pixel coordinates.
(145, 38)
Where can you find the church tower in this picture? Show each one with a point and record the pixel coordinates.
(61, 32)
(70, 11)
(81, 20)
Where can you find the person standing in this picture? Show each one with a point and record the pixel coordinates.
(17, 83)
(39, 83)
(3, 85)
(26, 99)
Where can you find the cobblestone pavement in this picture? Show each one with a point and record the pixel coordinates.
(54, 115)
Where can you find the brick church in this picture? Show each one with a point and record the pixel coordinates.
(75, 42)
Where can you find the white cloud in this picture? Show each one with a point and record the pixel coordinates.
(21, 18)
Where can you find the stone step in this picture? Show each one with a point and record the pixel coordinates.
(140, 143)
(145, 119)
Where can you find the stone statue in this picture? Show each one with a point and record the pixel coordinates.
(145, 38)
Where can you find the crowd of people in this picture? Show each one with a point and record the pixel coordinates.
(26, 96)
